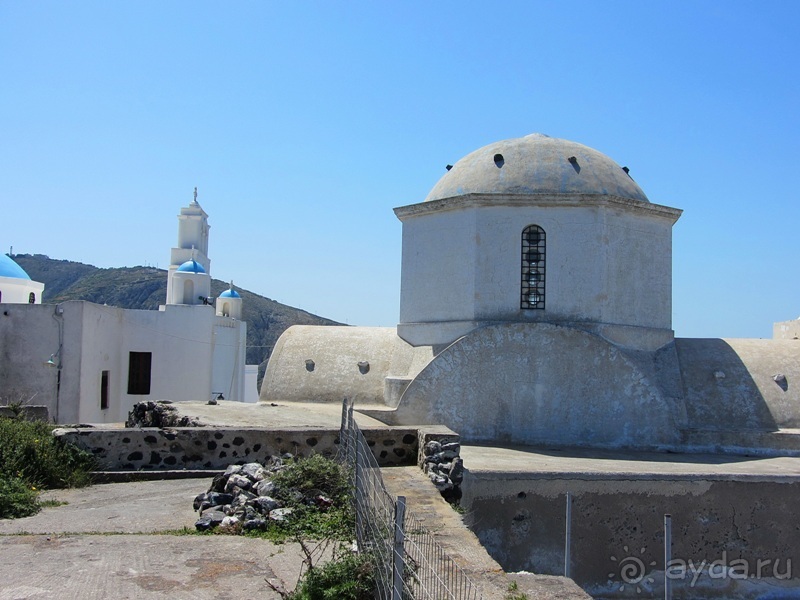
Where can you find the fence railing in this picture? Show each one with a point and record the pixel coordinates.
(409, 563)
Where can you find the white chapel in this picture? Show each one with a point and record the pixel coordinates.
(89, 363)
(536, 308)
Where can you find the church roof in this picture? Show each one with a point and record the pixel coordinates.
(230, 294)
(536, 164)
(8, 268)
(191, 266)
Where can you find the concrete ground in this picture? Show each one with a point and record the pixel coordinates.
(272, 415)
(536, 463)
(105, 543)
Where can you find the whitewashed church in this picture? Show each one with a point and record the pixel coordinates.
(536, 308)
(89, 363)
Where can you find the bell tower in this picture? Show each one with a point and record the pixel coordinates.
(192, 248)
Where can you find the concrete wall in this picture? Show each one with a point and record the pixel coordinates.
(189, 345)
(617, 527)
(537, 383)
(740, 384)
(786, 330)
(29, 335)
(607, 262)
(333, 372)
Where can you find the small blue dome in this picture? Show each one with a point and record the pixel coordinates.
(8, 268)
(230, 294)
(191, 266)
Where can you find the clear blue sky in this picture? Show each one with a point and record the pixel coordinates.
(304, 123)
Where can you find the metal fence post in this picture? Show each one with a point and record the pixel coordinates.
(568, 539)
(399, 548)
(358, 493)
(343, 430)
(667, 556)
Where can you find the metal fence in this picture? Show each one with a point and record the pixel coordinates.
(409, 563)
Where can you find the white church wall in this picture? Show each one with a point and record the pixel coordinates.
(251, 384)
(741, 384)
(526, 383)
(639, 270)
(29, 335)
(786, 330)
(18, 291)
(328, 364)
(605, 264)
(574, 263)
(437, 275)
(181, 340)
(228, 352)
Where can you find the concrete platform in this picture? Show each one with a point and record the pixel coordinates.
(105, 544)
(275, 415)
(502, 462)
(733, 512)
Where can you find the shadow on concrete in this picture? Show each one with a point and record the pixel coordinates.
(719, 390)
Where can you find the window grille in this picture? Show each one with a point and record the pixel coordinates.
(533, 268)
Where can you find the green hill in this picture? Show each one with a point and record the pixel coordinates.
(146, 288)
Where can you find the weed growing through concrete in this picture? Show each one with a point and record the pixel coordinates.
(514, 593)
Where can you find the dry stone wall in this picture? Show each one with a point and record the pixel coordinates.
(142, 449)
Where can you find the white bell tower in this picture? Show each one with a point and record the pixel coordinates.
(192, 248)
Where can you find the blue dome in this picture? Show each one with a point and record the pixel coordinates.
(191, 266)
(8, 268)
(230, 294)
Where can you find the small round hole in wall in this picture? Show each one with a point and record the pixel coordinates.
(499, 161)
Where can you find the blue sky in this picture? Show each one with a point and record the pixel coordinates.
(304, 123)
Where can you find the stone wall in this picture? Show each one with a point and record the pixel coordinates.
(135, 449)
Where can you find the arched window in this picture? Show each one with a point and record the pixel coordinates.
(533, 263)
(31, 298)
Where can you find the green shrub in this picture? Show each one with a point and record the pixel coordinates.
(346, 577)
(311, 476)
(28, 451)
(297, 484)
(17, 499)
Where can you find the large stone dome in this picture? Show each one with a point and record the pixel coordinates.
(536, 164)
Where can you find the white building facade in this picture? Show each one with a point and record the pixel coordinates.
(16, 287)
(535, 308)
(90, 363)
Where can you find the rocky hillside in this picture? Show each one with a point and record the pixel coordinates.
(146, 288)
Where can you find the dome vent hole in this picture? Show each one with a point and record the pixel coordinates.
(574, 162)
(499, 161)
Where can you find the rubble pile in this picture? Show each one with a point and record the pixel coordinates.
(159, 413)
(247, 495)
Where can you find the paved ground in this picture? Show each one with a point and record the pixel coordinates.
(274, 415)
(532, 463)
(102, 545)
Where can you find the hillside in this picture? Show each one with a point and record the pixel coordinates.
(146, 288)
